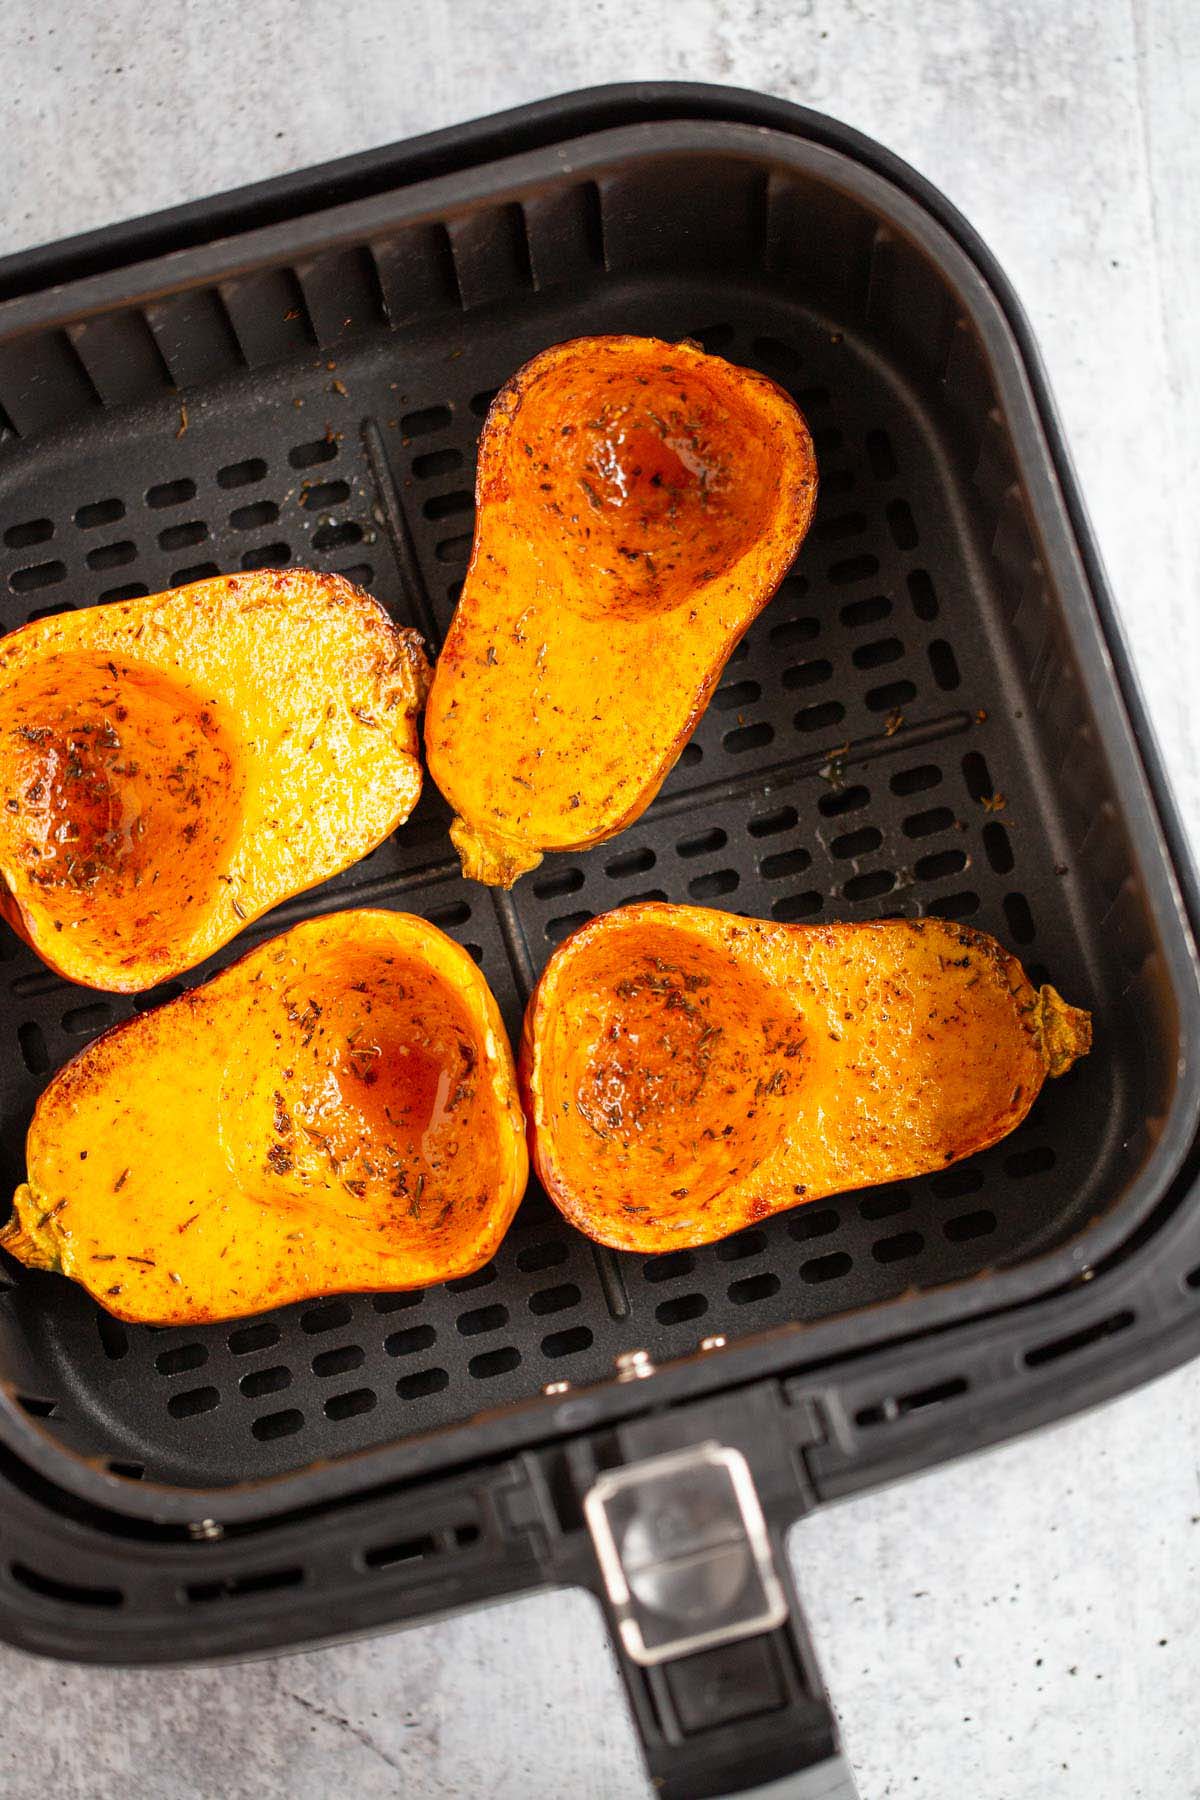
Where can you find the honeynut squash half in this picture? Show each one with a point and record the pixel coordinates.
(173, 767)
(637, 505)
(687, 1072)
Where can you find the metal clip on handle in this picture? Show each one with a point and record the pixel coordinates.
(718, 1666)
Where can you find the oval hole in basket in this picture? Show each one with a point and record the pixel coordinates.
(681, 1308)
(808, 674)
(407, 1343)
(898, 1248)
(278, 1425)
(713, 885)
(865, 612)
(481, 1319)
(752, 1288)
(813, 1222)
(923, 594)
(703, 843)
(826, 1268)
(112, 556)
(821, 717)
(253, 1337)
(318, 450)
(38, 575)
(768, 824)
(542, 1256)
(322, 494)
(966, 1226)
(390, 1303)
(881, 456)
(742, 1246)
(250, 518)
(843, 800)
(350, 1405)
(797, 906)
(1020, 918)
(783, 863)
(270, 556)
(558, 881)
(326, 1317)
(171, 493)
(265, 1381)
(100, 512)
(926, 824)
(870, 885)
(671, 1267)
(32, 531)
(241, 474)
(181, 537)
(630, 862)
(192, 1402)
(568, 1342)
(748, 737)
(32, 1042)
(852, 844)
(491, 1363)
(180, 1357)
(339, 1361)
(555, 1299)
(436, 462)
(422, 1383)
(953, 906)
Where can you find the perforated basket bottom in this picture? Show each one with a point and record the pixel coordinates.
(868, 753)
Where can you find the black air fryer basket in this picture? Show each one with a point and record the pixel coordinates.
(935, 716)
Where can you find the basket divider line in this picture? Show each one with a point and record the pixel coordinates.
(412, 577)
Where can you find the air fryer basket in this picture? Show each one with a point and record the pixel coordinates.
(924, 721)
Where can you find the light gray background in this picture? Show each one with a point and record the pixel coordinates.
(1022, 1625)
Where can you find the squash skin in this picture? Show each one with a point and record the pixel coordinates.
(172, 767)
(637, 505)
(335, 1112)
(686, 1072)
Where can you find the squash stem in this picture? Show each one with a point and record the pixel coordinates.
(495, 861)
(1064, 1032)
(25, 1238)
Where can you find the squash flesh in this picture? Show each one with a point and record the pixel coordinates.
(687, 1072)
(174, 766)
(335, 1112)
(637, 504)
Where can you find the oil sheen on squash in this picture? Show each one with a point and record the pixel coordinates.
(637, 504)
(173, 766)
(336, 1111)
(687, 1072)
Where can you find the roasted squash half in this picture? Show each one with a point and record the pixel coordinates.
(173, 766)
(336, 1111)
(686, 1072)
(637, 504)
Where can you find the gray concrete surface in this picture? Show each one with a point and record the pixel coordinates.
(1022, 1625)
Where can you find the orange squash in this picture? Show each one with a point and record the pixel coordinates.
(687, 1072)
(637, 504)
(172, 767)
(336, 1111)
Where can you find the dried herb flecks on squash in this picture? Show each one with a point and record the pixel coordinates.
(637, 504)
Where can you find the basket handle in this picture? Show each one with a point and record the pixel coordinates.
(708, 1632)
